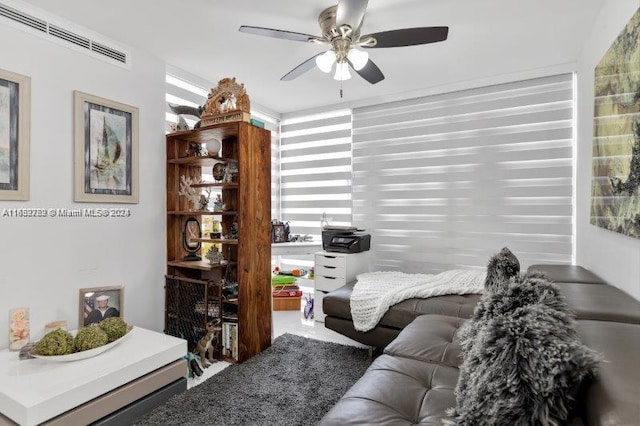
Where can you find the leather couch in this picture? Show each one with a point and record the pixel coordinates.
(413, 381)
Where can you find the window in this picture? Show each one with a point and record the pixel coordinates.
(315, 170)
(445, 181)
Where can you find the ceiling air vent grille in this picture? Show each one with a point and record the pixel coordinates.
(69, 36)
(49, 29)
(107, 51)
(23, 18)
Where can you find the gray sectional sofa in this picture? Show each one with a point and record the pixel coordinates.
(413, 381)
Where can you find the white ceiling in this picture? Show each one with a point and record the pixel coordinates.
(486, 38)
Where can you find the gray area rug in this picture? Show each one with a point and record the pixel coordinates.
(294, 382)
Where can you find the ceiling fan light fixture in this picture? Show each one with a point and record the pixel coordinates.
(342, 72)
(358, 58)
(326, 60)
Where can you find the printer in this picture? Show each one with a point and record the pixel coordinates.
(345, 239)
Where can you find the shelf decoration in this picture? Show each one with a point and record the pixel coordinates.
(197, 200)
(213, 255)
(18, 328)
(191, 233)
(228, 102)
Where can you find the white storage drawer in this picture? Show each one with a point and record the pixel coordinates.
(330, 260)
(324, 283)
(330, 271)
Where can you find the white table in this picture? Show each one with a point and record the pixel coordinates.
(297, 248)
(35, 390)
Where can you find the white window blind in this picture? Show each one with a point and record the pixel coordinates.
(445, 181)
(315, 170)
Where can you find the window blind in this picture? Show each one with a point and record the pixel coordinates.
(445, 181)
(315, 170)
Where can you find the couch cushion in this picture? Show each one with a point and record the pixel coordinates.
(612, 398)
(397, 391)
(429, 338)
(336, 304)
(379, 337)
(567, 274)
(600, 302)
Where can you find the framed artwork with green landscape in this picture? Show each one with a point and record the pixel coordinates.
(615, 201)
(15, 94)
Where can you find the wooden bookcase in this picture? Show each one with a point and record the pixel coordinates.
(192, 294)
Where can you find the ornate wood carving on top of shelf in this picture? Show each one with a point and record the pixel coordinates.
(226, 103)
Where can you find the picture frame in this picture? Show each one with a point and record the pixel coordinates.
(279, 233)
(15, 112)
(106, 140)
(98, 303)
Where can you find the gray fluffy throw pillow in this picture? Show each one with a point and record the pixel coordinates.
(524, 363)
(502, 266)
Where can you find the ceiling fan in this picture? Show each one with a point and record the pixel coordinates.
(341, 26)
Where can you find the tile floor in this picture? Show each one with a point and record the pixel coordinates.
(292, 322)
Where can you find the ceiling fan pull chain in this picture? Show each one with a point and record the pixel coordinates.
(340, 89)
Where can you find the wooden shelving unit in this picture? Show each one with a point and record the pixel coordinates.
(195, 292)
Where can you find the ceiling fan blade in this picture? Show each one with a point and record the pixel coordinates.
(370, 72)
(270, 32)
(351, 12)
(301, 69)
(409, 36)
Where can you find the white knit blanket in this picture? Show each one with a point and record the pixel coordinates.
(375, 292)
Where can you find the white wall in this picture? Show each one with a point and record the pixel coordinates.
(44, 261)
(613, 256)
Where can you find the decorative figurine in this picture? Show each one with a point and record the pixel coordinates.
(230, 172)
(187, 110)
(233, 232)
(218, 205)
(308, 307)
(218, 171)
(228, 102)
(214, 255)
(182, 124)
(208, 342)
(204, 200)
(192, 363)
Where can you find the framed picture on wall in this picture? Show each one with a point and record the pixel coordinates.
(98, 303)
(106, 150)
(15, 96)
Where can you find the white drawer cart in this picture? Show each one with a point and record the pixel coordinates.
(332, 271)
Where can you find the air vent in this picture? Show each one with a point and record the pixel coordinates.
(23, 18)
(107, 51)
(52, 30)
(69, 36)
